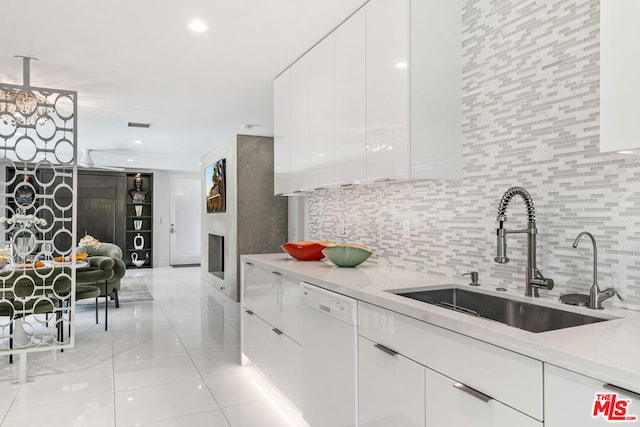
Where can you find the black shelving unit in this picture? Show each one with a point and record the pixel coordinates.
(146, 231)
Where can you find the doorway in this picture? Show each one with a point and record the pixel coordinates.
(185, 205)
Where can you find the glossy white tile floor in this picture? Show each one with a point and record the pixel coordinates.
(174, 361)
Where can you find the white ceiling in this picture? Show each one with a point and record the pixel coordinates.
(136, 60)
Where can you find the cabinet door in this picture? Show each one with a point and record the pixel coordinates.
(391, 388)
(276, 355)
(252, 289)
(257, 342)
(300, 98)
(570, 400)
(436, 89)
(387, 40)
(350, 100)
(289, 318)
(449, 403)
(619, 69)
(281, 134)
(261, 293)
(321, 87)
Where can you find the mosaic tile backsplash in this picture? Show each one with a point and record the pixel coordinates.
(531, 119)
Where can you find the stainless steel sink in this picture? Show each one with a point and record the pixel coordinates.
(522, 315)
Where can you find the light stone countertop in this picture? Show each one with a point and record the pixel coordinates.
(607, 351)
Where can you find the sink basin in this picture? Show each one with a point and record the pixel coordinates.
(522, 315)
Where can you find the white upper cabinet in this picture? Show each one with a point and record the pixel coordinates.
(282, 134)
(387, 56)
(350, 100)
(619, 70)
(436, 89)
(378, 99)
(321, 119)
(300, 124)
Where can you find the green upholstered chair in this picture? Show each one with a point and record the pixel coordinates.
(112, 285)
(28, 292)
(89, 291)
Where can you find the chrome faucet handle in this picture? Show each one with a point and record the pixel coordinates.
(539, 281)
(474, 278)
(596, 296)
(542, 283)
(610, 292)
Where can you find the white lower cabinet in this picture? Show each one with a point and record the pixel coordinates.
(508, 377)
(275, 354)
(570, 400)
(413, 373)
(391, 387)
(451, 403)
(271, 331)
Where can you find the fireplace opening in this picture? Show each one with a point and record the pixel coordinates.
(216, 255)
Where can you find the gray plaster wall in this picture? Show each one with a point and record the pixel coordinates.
(255, 220)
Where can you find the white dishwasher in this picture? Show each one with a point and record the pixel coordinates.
(329, 357)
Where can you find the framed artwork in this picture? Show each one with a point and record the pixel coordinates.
(214, 178)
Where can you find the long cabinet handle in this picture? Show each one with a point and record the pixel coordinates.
(277, 273)
(473, 392)
(249, 312)
(621, 390)
(385, 349)
(277, 331)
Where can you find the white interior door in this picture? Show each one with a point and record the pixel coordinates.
(185, 200)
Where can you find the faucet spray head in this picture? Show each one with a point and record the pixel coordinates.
(501, 255)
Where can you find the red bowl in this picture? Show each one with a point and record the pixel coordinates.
(304, 251)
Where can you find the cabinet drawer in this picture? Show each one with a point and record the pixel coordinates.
(391, 388)
(290, 316)
(448, 404)
(276, 355)
(275, 298)
(511, 378)
(261, 293)
(570, 400)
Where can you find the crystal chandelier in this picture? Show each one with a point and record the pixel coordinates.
(22, 105)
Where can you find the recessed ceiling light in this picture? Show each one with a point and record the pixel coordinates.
(129, 160)
(197, 26)
(401, 65)
(137, 141)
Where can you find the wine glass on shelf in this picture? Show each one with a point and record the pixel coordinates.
(47, 250)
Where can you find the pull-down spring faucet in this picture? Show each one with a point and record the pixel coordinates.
(533, 277)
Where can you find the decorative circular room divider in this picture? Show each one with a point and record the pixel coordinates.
(38, 187)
